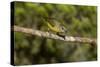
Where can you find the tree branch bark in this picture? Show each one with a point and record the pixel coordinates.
(54, 36)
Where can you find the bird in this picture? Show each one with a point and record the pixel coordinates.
(56, 27)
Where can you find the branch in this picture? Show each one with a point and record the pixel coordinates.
(54, 36)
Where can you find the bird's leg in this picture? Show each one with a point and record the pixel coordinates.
(49, 30)
(61, 34)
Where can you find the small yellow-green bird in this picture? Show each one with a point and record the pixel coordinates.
(56, 27)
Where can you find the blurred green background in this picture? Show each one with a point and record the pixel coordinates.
(79, 20)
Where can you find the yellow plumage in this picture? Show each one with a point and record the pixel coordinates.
(55, 27)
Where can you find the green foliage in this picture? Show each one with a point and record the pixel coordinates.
(78, 20)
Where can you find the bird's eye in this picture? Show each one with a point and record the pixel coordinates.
(63, 28)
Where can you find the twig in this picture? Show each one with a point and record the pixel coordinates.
(54, 36)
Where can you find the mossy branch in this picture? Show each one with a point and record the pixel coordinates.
(54, 36)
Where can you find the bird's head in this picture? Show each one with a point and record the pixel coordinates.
(63, 29)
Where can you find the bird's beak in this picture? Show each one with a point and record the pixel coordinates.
(66, 31)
